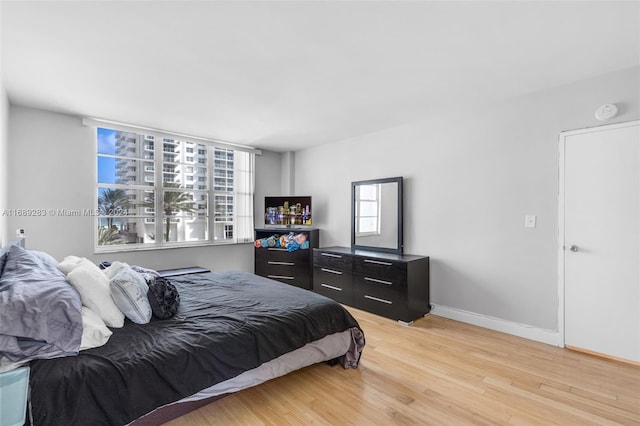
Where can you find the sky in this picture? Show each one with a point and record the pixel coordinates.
(106, 165)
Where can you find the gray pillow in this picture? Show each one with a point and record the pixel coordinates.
(129, 292)
(41, 312)
(3, 258)
(5, 250)
(45, 258)
(142, 270)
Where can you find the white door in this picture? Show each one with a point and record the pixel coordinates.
(600, 193)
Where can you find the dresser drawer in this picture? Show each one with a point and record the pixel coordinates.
(334, 284)
(381, 268)
(392, 285)
(386, 290)
(385, 306)
(336, 261)
(289, 269)
(382, 297)
(298, 280)
(282, 255)
(332, 277)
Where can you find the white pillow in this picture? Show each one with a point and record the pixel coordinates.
(68, 264)
(95, 293)
(114, 268)
(94, 331)
(129, 292)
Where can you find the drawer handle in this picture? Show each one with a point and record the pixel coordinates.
(331, 255)
(388, 302)
(378, 262)
(331, 287)
(378, 281)
(281, 277)
(331, 271)
(276, 249)
(280, 263)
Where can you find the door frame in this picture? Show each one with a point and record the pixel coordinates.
(561, 210)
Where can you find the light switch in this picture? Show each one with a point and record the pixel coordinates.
(530, 221)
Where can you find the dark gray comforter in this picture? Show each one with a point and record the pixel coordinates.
(227, 323)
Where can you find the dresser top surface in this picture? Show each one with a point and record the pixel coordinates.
(371, 253)
(283, 229)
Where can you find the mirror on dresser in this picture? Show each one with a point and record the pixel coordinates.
(374, 274)
(376, 215)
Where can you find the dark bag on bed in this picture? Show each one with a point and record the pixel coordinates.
(163, 297)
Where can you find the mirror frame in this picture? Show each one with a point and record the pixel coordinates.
(398, 249)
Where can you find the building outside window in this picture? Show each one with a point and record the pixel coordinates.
(144, 200)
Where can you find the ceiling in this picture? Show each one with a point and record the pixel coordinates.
(288, 75)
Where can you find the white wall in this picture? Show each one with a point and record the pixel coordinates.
(4, 126)
(471, 176)
(287, 170)
(268, 182)
(52, 166)
(4, 163)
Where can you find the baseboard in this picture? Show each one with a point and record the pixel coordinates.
(549, 337)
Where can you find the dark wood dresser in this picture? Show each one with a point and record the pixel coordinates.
(392, 285)
(293, 267)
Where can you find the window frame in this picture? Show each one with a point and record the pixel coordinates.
(210, 193)
(359, 201)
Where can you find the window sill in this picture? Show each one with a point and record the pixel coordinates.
(137, 248)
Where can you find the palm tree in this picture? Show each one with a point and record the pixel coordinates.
(109, 236)
(112, 202)
(174, 202)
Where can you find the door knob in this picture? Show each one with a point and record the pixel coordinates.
(574, 248)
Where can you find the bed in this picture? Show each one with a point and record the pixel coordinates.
(232, 330)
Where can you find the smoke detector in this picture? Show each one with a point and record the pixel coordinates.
(606, 112)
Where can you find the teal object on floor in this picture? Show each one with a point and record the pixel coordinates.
(14, 387)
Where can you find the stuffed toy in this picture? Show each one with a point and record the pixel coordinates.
(300, 238)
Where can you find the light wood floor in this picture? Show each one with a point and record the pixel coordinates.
(440, 372)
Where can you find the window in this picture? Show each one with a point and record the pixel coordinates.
(146, 198)
(228, 231)
(368, 210)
